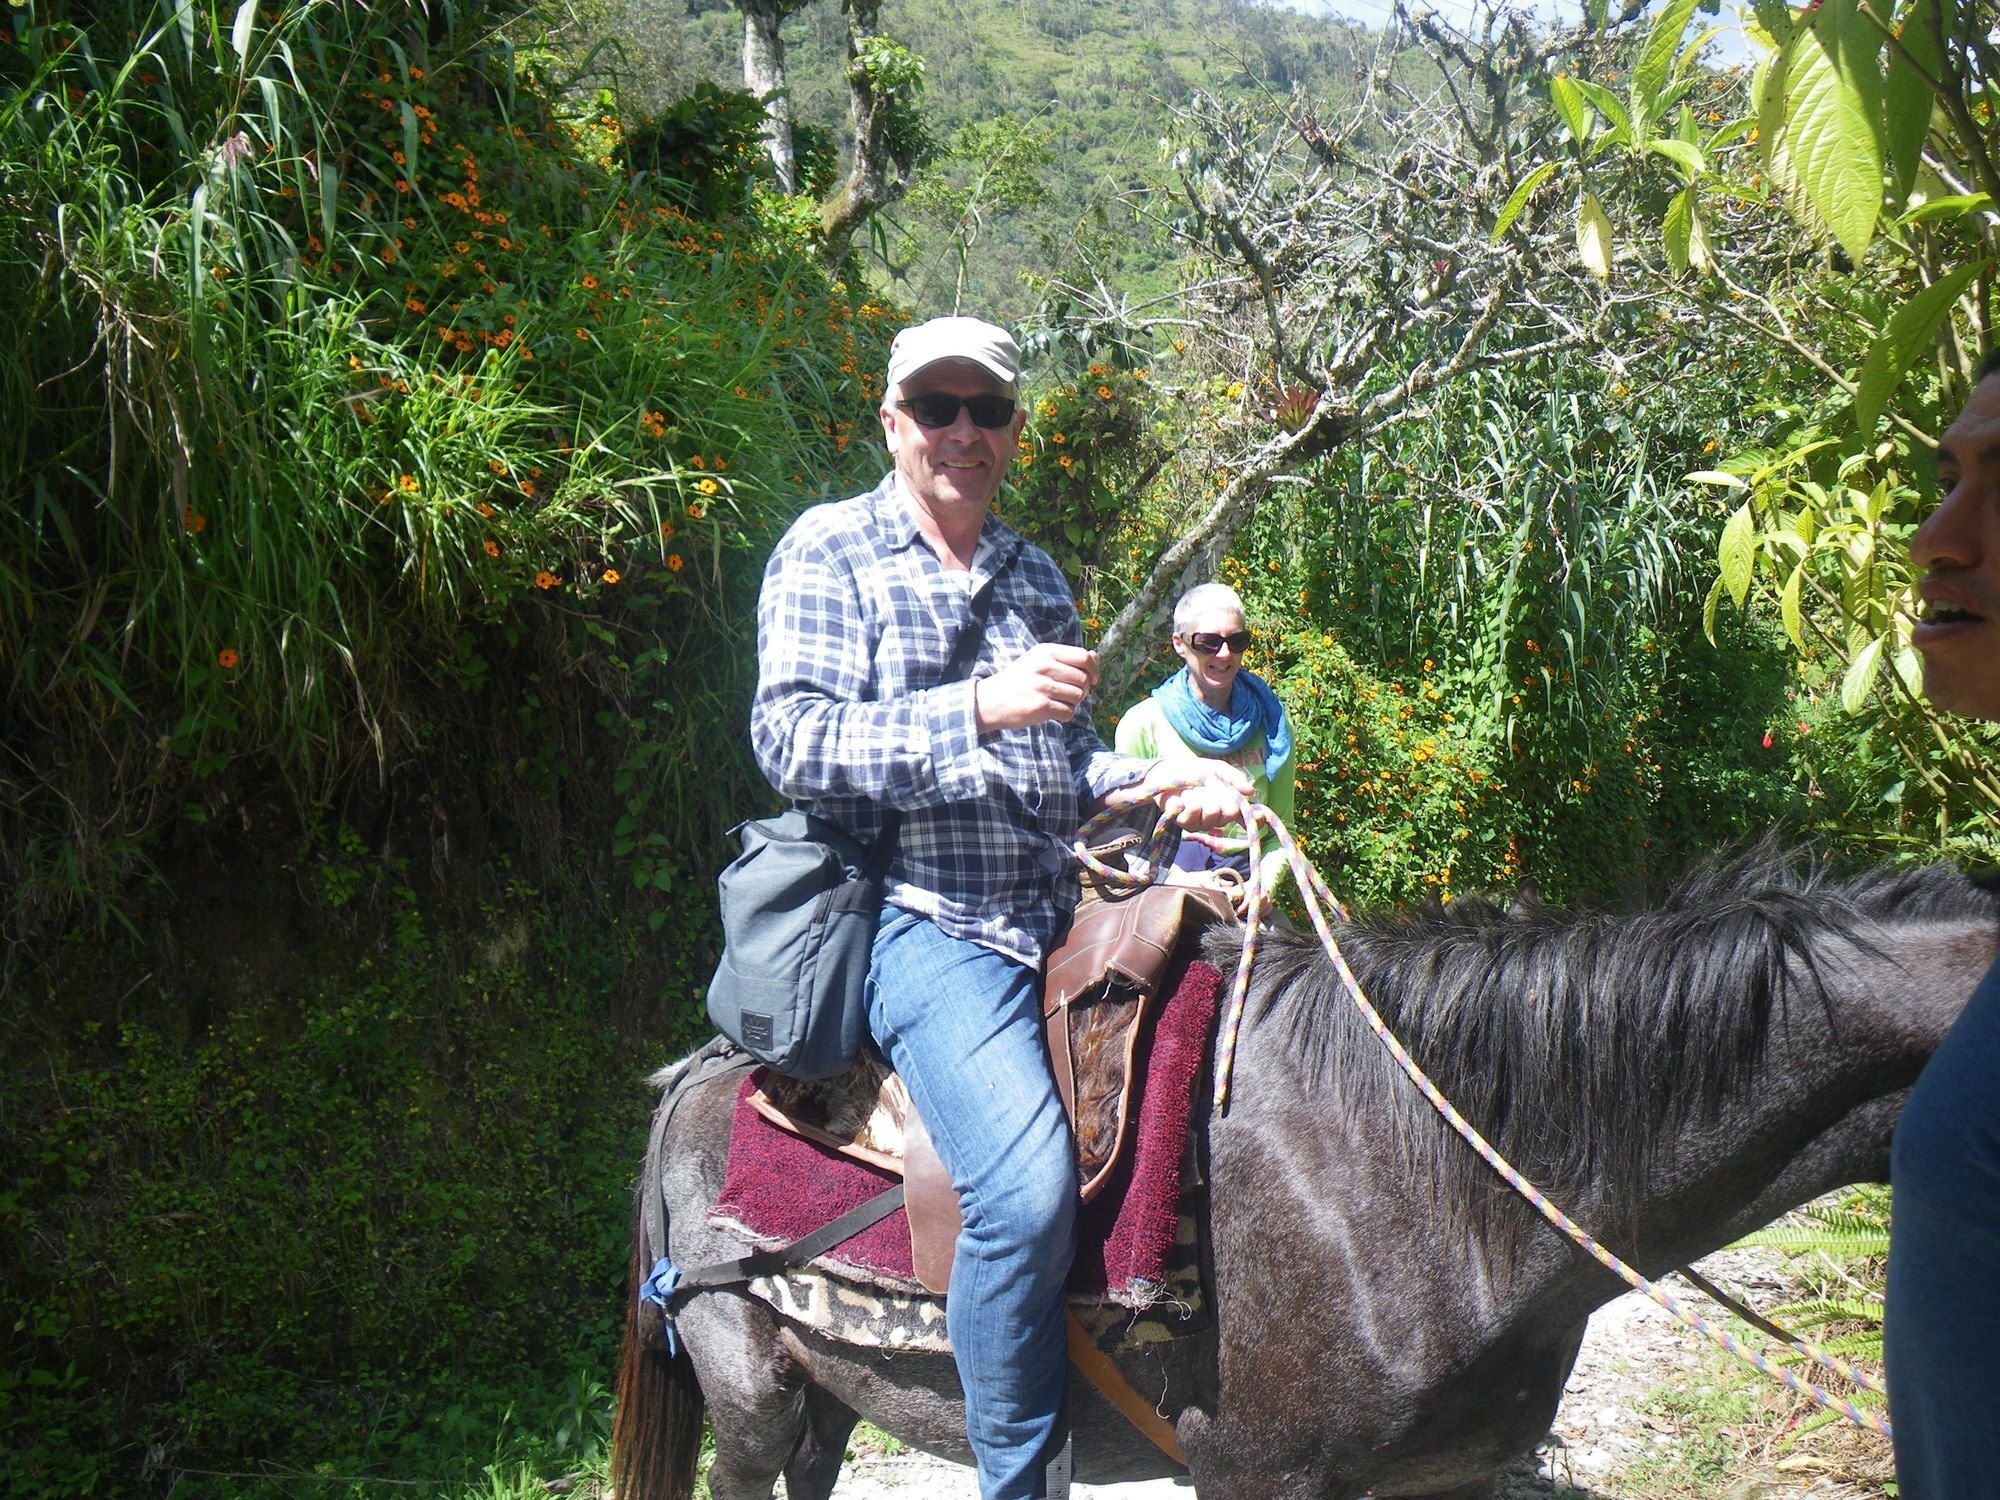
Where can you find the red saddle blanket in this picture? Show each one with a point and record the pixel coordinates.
(778, 1186)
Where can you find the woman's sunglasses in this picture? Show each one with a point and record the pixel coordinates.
(1205, 644)
(935, 409)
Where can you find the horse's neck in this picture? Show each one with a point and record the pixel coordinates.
(1815, 1113)
(1819, 1110)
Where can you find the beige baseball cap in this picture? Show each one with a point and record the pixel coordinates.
(923, 344)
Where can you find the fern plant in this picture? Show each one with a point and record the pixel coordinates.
(1838, 1251)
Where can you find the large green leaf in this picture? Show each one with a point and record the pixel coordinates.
(1606, 103)
(1569, 103)
(1674, 229)
(243, 30)
(1788, 608)
(1945, 208)
(1861, 675)
(1738, 552)
(1685, 240)
(1821, 128)
(1593, 237)
(1518, 199)
(1682, 154)
(1656, 58)
(1907, 97)
(1775, 17)
(1909, 333)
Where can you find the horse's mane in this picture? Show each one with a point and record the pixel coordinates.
(1578, 1040)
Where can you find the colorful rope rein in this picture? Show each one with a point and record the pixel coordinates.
(1317, 898)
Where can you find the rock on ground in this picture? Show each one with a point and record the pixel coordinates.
(1632, 1348)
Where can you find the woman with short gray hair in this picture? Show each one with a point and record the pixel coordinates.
(1214, 706)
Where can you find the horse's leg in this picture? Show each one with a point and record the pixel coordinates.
(759, 1403)
(815, 1466)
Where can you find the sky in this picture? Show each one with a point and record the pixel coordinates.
(1724, 50)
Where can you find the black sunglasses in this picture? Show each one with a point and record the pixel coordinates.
(936, 409)
(1206, 644)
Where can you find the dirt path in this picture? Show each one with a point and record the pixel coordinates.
(1615, 1438)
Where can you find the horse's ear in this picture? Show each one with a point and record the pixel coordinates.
(1527, 897)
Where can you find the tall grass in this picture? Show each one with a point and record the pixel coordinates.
(351, 355)
(1488, 627)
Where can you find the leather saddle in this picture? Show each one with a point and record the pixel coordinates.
(1098, 991)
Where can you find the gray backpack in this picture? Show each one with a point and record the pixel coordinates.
(799, 908)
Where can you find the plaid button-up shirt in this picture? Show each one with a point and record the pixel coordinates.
(855, 627)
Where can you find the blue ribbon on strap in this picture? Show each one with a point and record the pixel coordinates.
(658, 1288)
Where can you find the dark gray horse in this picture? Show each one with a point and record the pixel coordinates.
(1389, 1316)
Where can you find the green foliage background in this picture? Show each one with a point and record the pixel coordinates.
(393, 439)
(400, 408)
(1092, 78)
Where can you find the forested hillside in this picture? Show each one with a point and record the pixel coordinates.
(1072, 97)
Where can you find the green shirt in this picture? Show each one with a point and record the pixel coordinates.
(1145, 732)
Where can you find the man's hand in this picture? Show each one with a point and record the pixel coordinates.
(1197, 794)
(1047, 684)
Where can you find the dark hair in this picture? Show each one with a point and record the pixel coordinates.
(1989, 365)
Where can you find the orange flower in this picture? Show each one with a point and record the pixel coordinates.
(496, 466)
(492, 547)
(528, 488)
(611, 576)
(546, 580)
(227, 659)
(483, 508)
(589, 282)
(697, 510)
(674, 561)
(407, 484)
(1104, 393)
(666, 529)
(197, 522)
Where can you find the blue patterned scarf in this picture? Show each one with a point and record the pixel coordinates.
(1253, 707)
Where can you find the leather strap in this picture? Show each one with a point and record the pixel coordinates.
(797, 1253)
(964, 653)
(1116, 1389)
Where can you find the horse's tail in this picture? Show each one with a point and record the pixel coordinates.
(656, 1436)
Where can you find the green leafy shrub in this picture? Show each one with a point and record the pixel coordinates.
(353, 363)
(1090, 451)
(345, 1227)
(1494, 664)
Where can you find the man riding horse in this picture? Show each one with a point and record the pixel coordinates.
(1942, 1329)
(862, 605)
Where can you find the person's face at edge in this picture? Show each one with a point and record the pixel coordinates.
(1957, 553)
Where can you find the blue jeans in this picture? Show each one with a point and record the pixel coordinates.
(962, 1024)
(1942, 1323)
